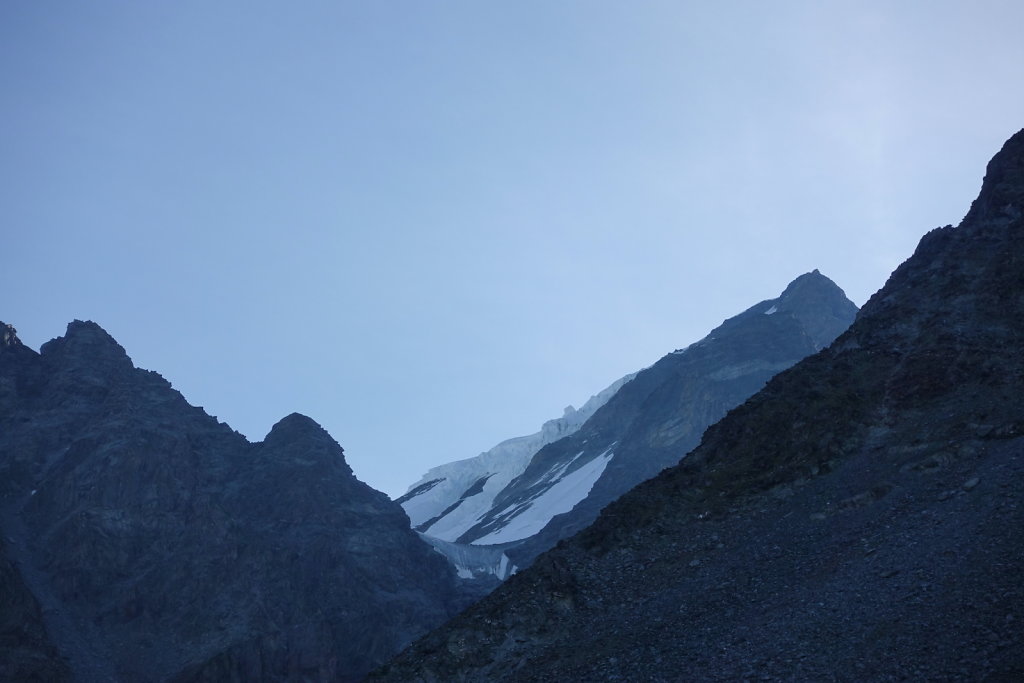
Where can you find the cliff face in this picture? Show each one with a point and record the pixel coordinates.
(858, 518)
(161, 544)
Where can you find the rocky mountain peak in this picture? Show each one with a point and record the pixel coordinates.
(298, 436)
(86, 341)
(8, 336)
(297, 426)
(811, 281)
(1002, 190)
(812, 289)
(820, 304)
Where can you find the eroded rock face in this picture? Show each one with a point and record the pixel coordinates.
(861, 517)
(184, 551)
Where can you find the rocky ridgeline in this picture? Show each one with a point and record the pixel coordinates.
(659, 416)
(523, 496)
(156, 543)
(861, 518)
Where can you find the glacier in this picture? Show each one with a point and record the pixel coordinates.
(449, 499)
(530, 517)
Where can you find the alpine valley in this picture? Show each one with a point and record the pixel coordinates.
(859, 518)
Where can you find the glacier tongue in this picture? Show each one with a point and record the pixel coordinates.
(473, 562)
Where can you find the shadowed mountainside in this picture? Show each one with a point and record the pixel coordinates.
(161, 544)
(859, 519)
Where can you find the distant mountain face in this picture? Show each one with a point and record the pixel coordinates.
(526, 494)
(160, 544)
(860, 518)
(448, 499)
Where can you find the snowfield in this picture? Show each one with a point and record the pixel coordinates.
(530, 517)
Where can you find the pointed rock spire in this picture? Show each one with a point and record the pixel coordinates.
(86, 340)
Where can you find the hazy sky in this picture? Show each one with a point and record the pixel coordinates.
(432, 225)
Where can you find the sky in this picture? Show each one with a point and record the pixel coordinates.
(431, 225)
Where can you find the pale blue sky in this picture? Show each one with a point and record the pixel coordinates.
(432, 225)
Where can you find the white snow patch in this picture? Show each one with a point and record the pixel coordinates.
(560, 497)
(503, 463)
(464, 573)
(773, 309)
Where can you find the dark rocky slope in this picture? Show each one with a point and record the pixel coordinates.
(163, 545)
(861, 518)
(26, 651)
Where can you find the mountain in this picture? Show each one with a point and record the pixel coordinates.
(448, 499)
(26, 651)
(643, 424)
(147, 541)
(858, 519)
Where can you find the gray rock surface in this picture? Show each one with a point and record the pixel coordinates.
(162, 545)
(861, 518)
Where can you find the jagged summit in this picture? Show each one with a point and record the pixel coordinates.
(815, 302)
(8, 336)
(162, 545)
(1002, 190)
(819, 304)
(86, 340)
(11, 347)
(87, 330)
(811, 283)
(298, 425)
(297, 438)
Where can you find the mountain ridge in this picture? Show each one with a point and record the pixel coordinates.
(858, 518)
(652, 421)
(162, 545)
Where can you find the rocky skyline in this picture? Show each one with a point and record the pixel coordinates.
(436, 227)
(859, 518)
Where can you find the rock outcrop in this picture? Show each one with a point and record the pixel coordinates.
(858, 519)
